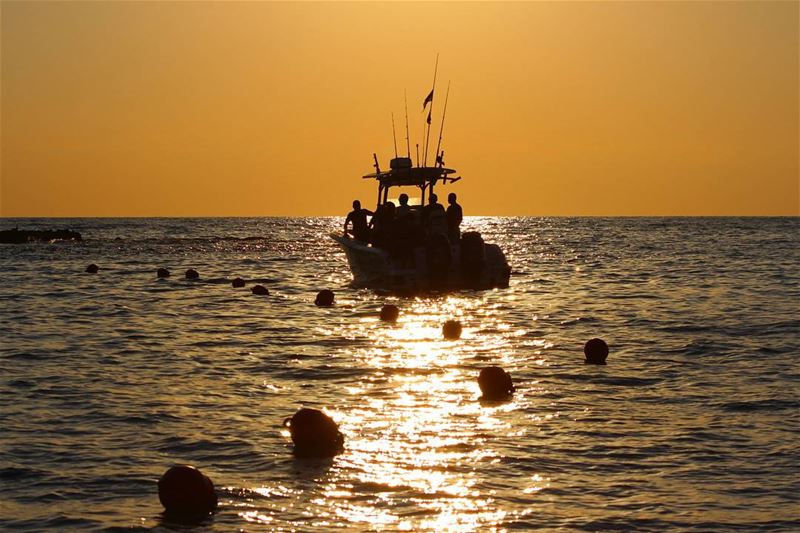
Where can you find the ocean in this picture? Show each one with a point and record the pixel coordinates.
(108, 379)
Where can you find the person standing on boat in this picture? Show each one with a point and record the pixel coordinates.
(438, 252)
(435, 217)
(358, 217)
(454, 217)
(403, 210)
(406, 232)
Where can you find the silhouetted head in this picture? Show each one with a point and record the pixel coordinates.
(92, 269)
(389, 313)
(451, 198)
(403, 199)
(356, 204)
(389, 209)
(433, 199)
(162, 273)
(314, 434)
(324, 298)
(596, 352)
(186, 493)
(237, 283)
(192, 274)
(260, 290)
(452, 330)
(495, 383)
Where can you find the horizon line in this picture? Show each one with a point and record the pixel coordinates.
(3, 217)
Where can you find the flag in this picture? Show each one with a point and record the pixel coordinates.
(428, 99)
(429, 117)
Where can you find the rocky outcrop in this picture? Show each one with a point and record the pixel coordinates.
(18, 236)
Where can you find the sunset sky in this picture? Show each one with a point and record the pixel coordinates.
(257, 109)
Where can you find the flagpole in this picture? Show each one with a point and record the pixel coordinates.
(441, 128)
(430, 113)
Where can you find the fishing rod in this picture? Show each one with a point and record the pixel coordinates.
(408, 145)
(394, 137)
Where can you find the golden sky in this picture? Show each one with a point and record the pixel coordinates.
(254, 109)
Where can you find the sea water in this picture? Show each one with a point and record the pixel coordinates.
(110, 378)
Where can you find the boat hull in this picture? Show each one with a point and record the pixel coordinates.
(373, 268)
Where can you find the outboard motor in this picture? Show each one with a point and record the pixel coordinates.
(473, 258)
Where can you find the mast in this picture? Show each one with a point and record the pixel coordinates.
(430, 113)
(394, 137)
(441, 128)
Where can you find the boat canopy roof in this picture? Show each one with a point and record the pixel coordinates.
(418, 176)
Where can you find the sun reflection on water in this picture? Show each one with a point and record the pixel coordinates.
(417, 438)
(421, 440)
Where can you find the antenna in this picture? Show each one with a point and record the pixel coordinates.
(417, 154)
(441, 128)
(428, 136)
(394, 137)
(408, 146)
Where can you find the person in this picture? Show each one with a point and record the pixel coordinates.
(382, 225)
(403, 209)
(435, 217)
(358, 217)
(454, 217)
(405, 231)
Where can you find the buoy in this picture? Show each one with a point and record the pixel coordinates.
(495, 383)
(324, 298)
(162, 273)
(185, 492)
(314, 434)
(238, 282)
(452, 330)
(260, 290)
(389, 313)
(192, 274)
(92, 269)
(596, 351)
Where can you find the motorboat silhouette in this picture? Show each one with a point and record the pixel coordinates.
(424, 262)
(408, 250)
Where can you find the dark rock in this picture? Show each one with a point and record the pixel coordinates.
(314, 434)
(390, 313)
(495, 383)
(260, 290)
(596, 352)
(452, 330)
(17, 236)
(185, 492)
(324, 298)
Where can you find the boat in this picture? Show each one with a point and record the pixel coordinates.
(434, 263)
(413, 254)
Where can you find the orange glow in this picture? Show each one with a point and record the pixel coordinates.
(251, 108)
